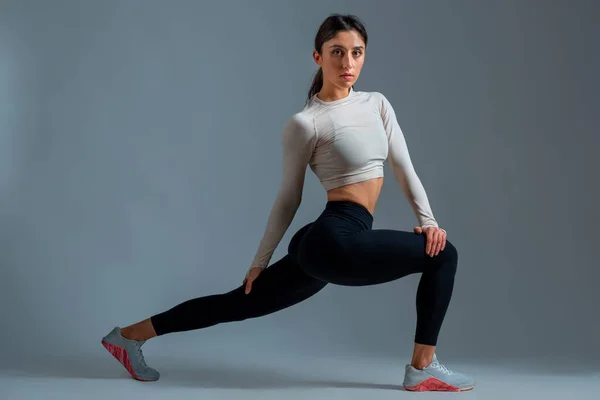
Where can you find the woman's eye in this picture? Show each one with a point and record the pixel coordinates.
(357, 53)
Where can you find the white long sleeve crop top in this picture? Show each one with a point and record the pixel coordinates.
(343, 141)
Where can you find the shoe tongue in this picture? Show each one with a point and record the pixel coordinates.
(434, 362)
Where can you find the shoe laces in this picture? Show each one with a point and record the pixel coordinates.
(140, 355)
(441, 367)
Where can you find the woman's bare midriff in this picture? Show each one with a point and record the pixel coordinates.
(364, 193)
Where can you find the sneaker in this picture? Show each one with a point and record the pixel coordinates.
(129, 354)
(436, 377)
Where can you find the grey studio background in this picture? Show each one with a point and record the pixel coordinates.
(140, 156)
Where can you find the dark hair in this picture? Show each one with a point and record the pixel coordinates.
(329, 28)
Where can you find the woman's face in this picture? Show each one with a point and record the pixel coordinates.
(342, 59)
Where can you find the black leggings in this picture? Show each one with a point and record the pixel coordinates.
(341, 248)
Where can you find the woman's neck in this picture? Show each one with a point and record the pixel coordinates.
(332, 93)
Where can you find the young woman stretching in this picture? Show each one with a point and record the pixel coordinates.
(344, 136)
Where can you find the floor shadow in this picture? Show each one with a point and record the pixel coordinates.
(184, 374)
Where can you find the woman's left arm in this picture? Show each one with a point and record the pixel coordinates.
(404, 172)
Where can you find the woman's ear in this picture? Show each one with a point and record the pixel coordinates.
(317, 57)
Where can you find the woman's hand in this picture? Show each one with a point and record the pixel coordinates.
(251, 277)
(436, 239)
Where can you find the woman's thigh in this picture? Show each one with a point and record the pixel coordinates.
(372, 257)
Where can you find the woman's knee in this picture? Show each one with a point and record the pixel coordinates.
(449, 254)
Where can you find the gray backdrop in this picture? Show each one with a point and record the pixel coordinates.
(140, 156)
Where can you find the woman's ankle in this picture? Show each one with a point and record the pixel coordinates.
(140, 331)
(420, 364)
(130, 333)
(422, 356)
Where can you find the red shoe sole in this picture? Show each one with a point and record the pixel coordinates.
(434, 385)
(121, 355)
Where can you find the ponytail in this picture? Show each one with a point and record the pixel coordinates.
(317, 84)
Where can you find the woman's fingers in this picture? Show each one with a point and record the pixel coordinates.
(436, 241)
(440, 241)
(249, 285)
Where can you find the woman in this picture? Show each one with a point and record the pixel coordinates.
(345, 136)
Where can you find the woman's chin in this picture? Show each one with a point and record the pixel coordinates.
(345, 83)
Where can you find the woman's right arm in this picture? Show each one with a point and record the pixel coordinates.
(298, 142)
